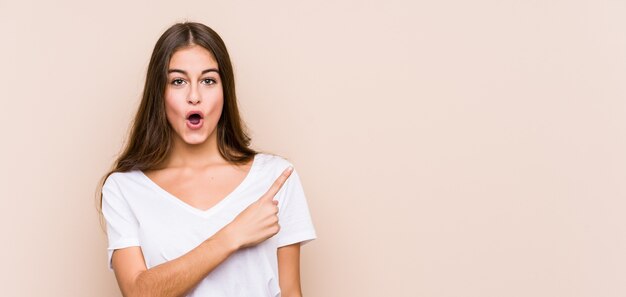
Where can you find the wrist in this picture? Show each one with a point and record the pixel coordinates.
(226, 238)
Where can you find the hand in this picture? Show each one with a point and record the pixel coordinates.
(259, 221)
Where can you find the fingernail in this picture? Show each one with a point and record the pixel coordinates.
(290, 169)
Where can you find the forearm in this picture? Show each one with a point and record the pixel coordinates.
(178, 276)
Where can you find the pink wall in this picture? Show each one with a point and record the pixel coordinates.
(447, 148)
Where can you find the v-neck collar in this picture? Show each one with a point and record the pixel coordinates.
(219, 205)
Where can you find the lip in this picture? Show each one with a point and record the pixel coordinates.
(189, 124)
(194, 111)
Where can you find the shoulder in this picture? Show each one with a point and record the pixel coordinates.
(126, 186)
(119, 179)
(273, 162)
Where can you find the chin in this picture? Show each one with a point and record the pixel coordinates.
(195, 139)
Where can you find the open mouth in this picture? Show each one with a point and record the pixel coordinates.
(194, 118)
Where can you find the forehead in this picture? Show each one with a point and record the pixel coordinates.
(193, 59)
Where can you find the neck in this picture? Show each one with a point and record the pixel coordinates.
(194, 156)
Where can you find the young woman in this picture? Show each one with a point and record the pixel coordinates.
(190, 209)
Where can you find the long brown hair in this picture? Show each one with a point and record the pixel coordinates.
(150, 139)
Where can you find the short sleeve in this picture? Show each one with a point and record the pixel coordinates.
(122, 225)
(294, 216)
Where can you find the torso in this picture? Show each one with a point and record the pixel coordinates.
(143, 214)
(203, 188)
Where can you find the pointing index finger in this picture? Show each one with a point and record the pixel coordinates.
(278, 183)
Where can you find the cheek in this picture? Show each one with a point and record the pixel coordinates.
(216, 109)
(172, 107)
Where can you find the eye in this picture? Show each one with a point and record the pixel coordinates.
(209, 81)
(175, 82)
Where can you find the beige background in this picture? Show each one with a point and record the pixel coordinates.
(447, 148)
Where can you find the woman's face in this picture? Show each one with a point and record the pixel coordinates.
(193, 85)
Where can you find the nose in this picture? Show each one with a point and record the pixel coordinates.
(193, 101)
(194, 97)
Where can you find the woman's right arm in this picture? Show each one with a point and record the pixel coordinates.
(256, 223)
(172, 278)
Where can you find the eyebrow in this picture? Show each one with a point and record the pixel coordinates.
(185, 72)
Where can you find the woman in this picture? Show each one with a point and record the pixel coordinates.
(189, 207)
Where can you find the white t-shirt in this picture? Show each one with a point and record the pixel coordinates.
(140, 213)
